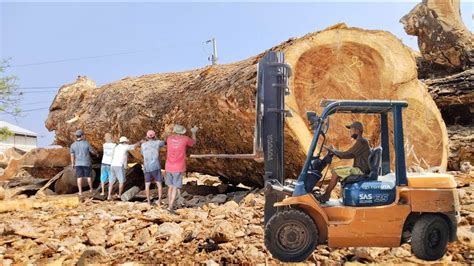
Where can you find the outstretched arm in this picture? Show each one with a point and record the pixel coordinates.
(193, 136)
(351, 152)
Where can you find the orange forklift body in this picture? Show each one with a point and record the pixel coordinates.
(381, 226)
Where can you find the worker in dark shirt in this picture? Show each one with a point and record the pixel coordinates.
(360, 152)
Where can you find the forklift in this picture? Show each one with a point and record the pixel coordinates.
(382, 208)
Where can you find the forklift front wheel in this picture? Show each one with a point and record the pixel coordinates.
(291, 236)
(429, 237)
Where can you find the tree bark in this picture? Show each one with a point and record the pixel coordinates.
(454, 96)
(336, 63)
(37, 160)
(444, 41)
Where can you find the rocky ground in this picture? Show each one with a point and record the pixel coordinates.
(225, 228)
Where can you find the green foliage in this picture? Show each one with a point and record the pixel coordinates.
(5, 133)
(8, 98)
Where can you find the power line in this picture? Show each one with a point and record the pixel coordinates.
(72, 59)
(35, 103)
(23, 111)
(37, 88)
(36, 109)
(28, 92)
(99, 56)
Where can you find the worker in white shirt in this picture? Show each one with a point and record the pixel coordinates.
(108, 152)
(119, 164)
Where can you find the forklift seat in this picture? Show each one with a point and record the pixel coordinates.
(375, 161)
(370, 190)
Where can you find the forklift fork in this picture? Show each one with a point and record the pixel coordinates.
(272, 86)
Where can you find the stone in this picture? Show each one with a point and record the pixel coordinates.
(463, 221)
(462, 193)
(254, 254)
(254, 230)
(96, 236)
(400, 252)
(369, 254)
(239, 196)
(180, 201)
(223, 232)
(466, 167)
(470, 218)
(172, 231)
(239, 234)
(143, 236)
(466, 235)
(194, 202)
(129, 194)
(115, 237)
(249, 200)
(219, 199)
(92, 255)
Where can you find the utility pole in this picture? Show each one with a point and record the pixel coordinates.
(213, 57)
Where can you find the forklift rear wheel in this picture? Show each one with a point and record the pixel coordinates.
(429, 238)
(291, 236)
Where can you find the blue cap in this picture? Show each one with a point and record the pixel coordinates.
(79, 133)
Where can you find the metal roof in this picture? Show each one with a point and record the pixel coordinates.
(17, 130)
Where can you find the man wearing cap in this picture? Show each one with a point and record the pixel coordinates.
(119, 164)
(175, 167)
(81, 159)
(151, 163)
(360, 152)
(108, 152)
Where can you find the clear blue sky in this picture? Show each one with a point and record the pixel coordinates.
(166, 37)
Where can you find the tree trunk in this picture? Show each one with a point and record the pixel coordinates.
(454, 96)
(336, 63)
(38, 162)
(445, 42)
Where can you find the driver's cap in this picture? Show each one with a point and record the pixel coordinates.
(357, 125)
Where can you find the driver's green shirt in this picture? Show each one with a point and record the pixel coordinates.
(360, 152)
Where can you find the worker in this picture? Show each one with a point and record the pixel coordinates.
(81, 159)
(108, 152)
(119, 165)
(151, 164)
(175, 166)
(360, 152)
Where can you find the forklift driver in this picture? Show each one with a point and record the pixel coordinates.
(360, 152)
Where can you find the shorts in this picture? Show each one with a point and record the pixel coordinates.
(117, 173)
(104, 173)
(156, 175)
(174, 179)
(83, 171)
(344, 171)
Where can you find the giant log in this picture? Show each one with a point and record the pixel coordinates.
(445, 43)
(336, 63)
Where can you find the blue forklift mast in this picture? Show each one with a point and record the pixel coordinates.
(272, 86)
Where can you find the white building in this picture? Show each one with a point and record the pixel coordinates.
(22, 139)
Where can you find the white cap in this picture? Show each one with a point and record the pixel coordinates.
(123, 139)
(179, 129)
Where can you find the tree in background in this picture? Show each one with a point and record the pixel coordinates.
(8, 99)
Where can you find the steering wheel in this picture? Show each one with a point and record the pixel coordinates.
(328, 150)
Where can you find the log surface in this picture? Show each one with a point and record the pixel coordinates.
(336, 63)
(444, 41)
